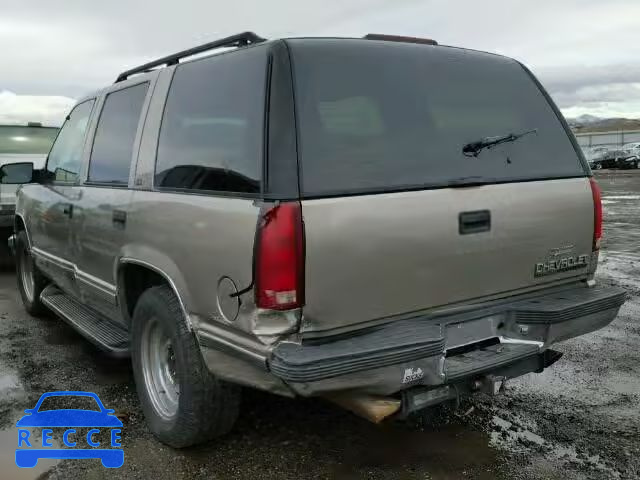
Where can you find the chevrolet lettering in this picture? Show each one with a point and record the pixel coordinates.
(562, 264)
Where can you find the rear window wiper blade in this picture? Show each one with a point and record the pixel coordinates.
(473, 149)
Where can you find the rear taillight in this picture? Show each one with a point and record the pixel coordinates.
(597, 213)
(279, 263)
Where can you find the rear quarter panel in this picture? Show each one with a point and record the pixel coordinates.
(196, 240)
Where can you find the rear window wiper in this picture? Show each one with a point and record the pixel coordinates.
(473, 149)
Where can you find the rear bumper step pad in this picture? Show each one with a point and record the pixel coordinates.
(392, 344)
(422, 337)
(486, 359)
(568, 305)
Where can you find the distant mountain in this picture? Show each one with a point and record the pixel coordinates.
(586, 119)
(591, 123)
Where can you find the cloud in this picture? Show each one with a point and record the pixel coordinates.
(579, 48)
(20, 109)
(606, 90)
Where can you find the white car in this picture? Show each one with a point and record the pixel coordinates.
(633, 148)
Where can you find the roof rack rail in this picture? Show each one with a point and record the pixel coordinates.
(239, 40)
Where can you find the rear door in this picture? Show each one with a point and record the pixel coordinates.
(100, 214)
(399, 216)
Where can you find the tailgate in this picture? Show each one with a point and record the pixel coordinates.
(445, 178)
(376, 256)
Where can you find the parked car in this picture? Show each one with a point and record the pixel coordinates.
(627, 162)
(633, 148)
(289, 216)
(592, 153)
(614, 158)
(633, 160)
(21, 143)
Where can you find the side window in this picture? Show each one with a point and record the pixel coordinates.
(115, 134)
(65, 158)
(213, 125)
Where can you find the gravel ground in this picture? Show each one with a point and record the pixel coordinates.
(580, 419)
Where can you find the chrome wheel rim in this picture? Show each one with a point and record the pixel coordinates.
(159, 369)
(26, 274)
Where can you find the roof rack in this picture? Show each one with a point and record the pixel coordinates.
(239, 40)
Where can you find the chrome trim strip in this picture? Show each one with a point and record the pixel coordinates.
(516, 341)
(62, 263)
(167, 278)
(96, 283)
(101, 286)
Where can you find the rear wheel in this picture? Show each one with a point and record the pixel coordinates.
(183, 402)
(31, 282)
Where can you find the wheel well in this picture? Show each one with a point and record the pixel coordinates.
(133, 280)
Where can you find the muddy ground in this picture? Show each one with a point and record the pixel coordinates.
(580, 419)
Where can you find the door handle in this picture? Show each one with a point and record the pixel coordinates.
(68, 210)
(119, 217)
(474, 222)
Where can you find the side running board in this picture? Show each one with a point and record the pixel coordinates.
(98, 329)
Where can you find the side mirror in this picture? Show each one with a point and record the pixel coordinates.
(16, 173)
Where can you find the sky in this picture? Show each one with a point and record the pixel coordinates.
(585, 52)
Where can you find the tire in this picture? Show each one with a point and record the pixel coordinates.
(31, 281)
(183, 403)
(7, 260)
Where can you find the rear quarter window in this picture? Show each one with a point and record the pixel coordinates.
(212, 131)
(379, 116)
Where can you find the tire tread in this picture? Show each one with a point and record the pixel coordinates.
(212, 406)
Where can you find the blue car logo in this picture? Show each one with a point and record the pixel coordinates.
(28, 456)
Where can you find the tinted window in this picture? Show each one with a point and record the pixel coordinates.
(36, 140)
(65, 158)
(212, 130)
(115, 134)
(382, 115)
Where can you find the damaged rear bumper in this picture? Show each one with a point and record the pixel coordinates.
(423, 353)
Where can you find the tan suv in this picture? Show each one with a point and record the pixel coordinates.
(384, 222)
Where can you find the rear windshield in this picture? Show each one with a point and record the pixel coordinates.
(35, 140)
(379, 116)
